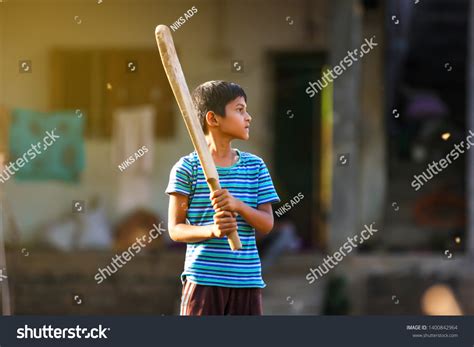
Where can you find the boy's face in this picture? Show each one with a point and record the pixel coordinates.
(236, 122)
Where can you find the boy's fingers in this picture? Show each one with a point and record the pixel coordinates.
(218, 212)
(220, 206)
(223, 213)
(228, 226)
(224, 206)
(215, 193)
(218, 199)
(218, 193)
(226, 221)
(228, 230)
(217, 206)
(229, 222)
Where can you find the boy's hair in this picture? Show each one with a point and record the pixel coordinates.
(214, 96)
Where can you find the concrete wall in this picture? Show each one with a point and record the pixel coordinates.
(359, 187)
(221, 31)
(47, 283)
(345, 35)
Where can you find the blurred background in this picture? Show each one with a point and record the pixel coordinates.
(340, 160)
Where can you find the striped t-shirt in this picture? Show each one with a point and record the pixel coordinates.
(212, 262)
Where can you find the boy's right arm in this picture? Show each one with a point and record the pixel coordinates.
(224, 223)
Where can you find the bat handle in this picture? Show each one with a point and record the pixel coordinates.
(233, 239)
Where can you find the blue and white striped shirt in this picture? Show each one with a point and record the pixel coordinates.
(212, 262)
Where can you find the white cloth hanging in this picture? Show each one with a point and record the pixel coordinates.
(133, 128)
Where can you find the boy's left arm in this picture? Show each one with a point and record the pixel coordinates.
(260, 218)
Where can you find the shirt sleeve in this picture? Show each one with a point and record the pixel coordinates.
(266, 190)
(180, 178)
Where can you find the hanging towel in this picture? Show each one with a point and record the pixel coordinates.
(63, 160)
(133, 129)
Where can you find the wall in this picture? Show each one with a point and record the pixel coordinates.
(47, 283)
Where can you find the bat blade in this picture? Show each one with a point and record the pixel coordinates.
(178, 84)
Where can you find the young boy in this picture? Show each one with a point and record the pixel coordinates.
(217, 280)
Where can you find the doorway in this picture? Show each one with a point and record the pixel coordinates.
(297, 128)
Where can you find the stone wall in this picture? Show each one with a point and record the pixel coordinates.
(47, 283)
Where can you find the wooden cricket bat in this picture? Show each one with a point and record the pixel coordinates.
(180, 89)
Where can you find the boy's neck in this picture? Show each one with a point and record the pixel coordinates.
(221, 150)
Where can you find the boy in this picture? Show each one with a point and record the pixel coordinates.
(217, 280)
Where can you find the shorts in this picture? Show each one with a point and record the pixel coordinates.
(201, 300)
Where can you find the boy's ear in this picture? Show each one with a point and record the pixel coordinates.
(211, 119)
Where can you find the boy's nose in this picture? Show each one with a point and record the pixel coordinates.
(249, 117)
